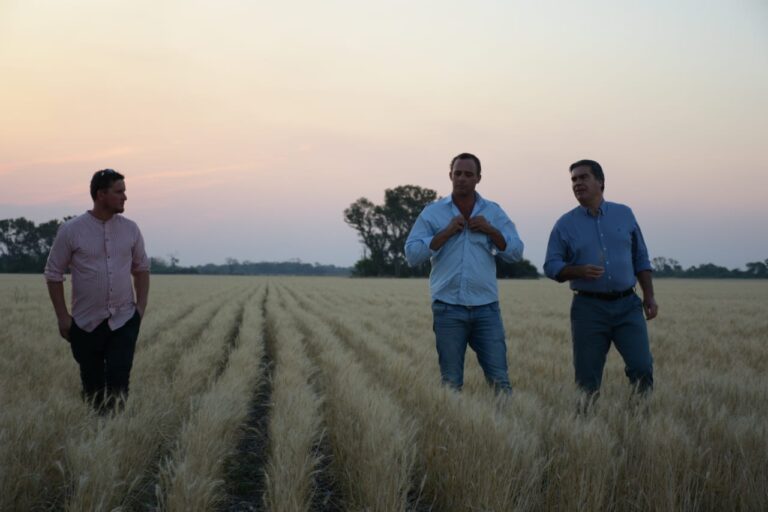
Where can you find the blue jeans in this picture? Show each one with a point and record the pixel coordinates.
(595, 323)
(480, 327)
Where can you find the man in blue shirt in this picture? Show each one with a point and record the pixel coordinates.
(461, 235)
(599, 248)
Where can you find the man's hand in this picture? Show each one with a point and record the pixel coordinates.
(140, 308)
(456, 225)
(650, 308)
(65, 325)
(481, 224)
(590, 272)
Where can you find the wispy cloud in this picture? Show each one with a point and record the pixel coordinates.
(173, 174)
(104, 154)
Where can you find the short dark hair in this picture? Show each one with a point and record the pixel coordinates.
(466, 156)
(104, 179)
(594, 167)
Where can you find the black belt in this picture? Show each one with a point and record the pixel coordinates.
(606, 295)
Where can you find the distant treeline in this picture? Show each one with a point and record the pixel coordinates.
(249, 268)
(668, 267)
(24, 248)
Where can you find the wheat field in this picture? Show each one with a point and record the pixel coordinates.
(290, 394)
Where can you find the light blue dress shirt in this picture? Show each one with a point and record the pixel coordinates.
(464, 268)
(612, 240)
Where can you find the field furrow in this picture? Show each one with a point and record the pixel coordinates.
(459, 438)
(192, 477)
(296, 423)
(373, 438)
(244, 469)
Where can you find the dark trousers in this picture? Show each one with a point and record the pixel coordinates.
(105, 358)
(595, 323)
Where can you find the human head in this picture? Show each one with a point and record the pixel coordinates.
(103, 180)
(467, 156)
(464, 174)
(108, 191)
(595, 169)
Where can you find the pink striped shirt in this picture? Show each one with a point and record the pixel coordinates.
(101, 256)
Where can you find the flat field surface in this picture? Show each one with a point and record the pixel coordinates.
(267, 393)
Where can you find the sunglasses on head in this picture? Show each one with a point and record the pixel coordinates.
(107, 171)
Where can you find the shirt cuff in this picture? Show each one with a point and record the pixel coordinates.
(553, 270)
(427, 242)
(54, 277)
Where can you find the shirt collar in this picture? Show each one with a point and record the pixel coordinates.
(97, 220)
(479, 200)
(600, 209)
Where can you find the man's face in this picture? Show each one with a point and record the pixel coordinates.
(585, 186)
(464, 176)
(113, 199)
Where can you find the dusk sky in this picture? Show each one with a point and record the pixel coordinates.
(245, 128)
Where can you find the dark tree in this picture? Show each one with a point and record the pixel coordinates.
(522, 269)
(757, 269)
(24, 246)
(367, 219)
(666, 267)
(384, 228)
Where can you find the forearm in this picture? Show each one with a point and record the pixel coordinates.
(646, 283)
(569, 273)
(141, 285)
(56, 293)
(498, 239)
(440, 239)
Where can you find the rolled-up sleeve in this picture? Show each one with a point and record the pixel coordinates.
(417, 249)
(139, 260)
(640, 259)
(59, 257)
(514, 250)
(556, 259)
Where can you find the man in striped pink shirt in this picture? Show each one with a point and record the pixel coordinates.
(103, 250)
